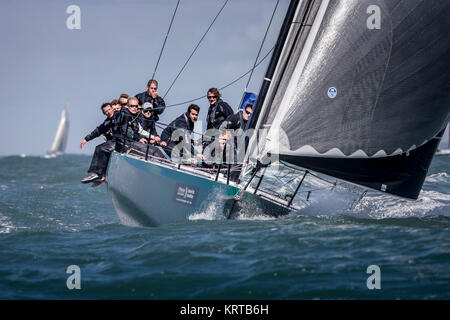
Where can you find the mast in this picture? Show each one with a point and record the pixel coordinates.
(284, 31)
(297, 24)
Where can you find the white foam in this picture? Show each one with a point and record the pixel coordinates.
(212, 208)
(385, 206)
(438, 177)
(5, 225)
(208, 213)
(262, 217)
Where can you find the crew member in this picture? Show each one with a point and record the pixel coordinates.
(239, 119)
(101, 155)
(218, 110)
(148, 125)
(124, 126)
(123, 100)
(116, 105)
(152, 96)
(185, 121)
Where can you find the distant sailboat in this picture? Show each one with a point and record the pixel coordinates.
(444, 146)
(62, 134)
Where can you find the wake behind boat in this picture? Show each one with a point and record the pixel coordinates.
(343, 96)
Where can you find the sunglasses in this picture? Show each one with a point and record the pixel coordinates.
(212, 97)
(247, 112)
(123, 104)
(133, 106)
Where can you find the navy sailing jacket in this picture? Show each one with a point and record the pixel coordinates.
(217, 113)
(236, 121)
(123, 123)
(101, 129)
(182, 122)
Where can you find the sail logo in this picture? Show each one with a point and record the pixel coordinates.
(332, 92)
(185, 194)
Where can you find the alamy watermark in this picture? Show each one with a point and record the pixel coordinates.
(374, 280)
(374, 20)
(74, 280)
(73, 22)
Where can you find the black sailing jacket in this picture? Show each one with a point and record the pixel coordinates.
(123, 123)
(236, 121)
(182, 122)
(217, 113)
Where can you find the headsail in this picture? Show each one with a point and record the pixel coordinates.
(363, 104)
(62, 133)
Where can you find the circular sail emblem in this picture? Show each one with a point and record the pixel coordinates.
(332, 92)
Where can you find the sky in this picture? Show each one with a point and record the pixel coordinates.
(45, 65)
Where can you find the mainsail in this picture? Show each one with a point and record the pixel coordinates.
(363, 103)
(62, 133)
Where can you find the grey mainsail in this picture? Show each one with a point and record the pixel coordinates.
(62, 133)
(361, 102)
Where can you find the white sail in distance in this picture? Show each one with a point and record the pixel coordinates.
(60, 142)
(444, 146)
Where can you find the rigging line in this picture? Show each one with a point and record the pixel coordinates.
(224, 87)
(195, 49)
(164, 44)
(262, 43)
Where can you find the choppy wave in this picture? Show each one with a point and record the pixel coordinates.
(381, 207)
(441, 177)
(49, 220)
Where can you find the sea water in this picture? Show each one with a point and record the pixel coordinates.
(381, 248)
